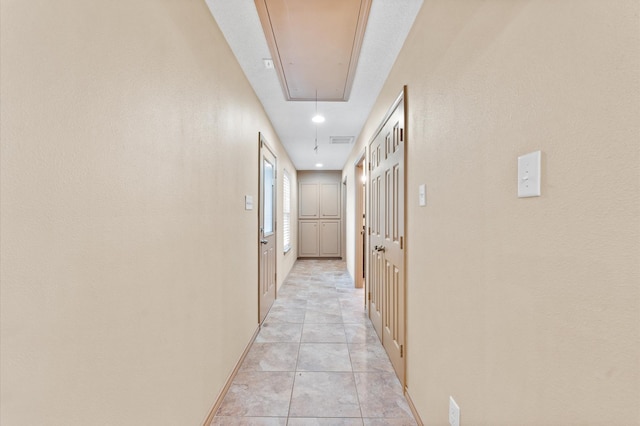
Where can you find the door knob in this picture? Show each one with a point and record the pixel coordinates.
(264, 242)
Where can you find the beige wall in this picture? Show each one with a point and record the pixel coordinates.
(129, 265)
(314, 176)
(527, 311)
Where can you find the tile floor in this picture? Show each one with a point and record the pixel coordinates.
(317, 359)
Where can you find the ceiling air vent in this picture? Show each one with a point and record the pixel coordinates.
(341, 140)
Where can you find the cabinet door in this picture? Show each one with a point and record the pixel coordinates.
(330, 238)
(330, 200)
(308, 239)
(308, 201)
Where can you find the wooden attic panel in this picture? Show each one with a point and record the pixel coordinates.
(315, 45)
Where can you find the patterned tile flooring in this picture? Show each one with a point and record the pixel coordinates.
(317, 360)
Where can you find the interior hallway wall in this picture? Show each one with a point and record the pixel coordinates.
(129, 264)
(526, 311)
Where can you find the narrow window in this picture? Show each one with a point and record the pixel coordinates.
(269, 198)
(286, 211)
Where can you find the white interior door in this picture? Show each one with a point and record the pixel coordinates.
(387, 236)
(376, 233)
(267, 232)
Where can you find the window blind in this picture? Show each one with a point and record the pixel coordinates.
(286, 210)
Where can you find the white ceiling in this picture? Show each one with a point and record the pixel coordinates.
(388, 25)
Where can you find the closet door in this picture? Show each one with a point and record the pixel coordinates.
(330, 201)
(308, 239)
(308, 206)
(330, 238)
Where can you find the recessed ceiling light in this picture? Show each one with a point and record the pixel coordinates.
(318, 164)
(318, 118)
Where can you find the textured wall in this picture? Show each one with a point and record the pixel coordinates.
(129, 265)
(527, 311)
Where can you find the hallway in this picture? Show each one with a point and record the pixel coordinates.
(317, 359)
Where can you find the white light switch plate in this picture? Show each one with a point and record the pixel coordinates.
(422, 195)
(454, 412)
(248, 202)
(529, 175)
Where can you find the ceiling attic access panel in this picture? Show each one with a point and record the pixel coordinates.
(315, 45)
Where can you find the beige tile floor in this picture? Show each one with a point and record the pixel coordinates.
(317, 360)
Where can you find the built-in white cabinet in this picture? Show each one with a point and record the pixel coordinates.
(319, 238)
(319, 200)
(330, 241)
(330, 200)
(309, 201)
(308, 238)
(319, 214)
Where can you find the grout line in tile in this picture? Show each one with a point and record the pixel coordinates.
(295, 371)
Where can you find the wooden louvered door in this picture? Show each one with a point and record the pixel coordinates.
(386, 238)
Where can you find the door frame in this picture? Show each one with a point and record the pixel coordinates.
(263, 144)
(360, 209)
(343, 219)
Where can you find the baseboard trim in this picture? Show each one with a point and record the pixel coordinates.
(413, 408)
(227, 384)
(319, 258)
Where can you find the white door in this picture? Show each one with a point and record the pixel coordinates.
(267, 231)
(376, 233)
(386, 238)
